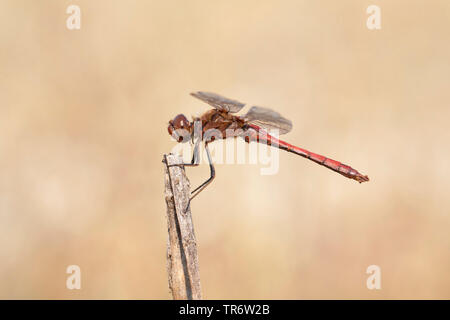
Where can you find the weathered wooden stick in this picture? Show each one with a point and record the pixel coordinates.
(182, 258)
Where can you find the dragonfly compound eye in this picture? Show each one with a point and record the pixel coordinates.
(179, 128)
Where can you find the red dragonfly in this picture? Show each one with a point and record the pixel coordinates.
(251, 126)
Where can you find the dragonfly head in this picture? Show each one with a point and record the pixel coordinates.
(180, 128)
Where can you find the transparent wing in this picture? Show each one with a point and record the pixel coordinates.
(219, 102)
(268, 119)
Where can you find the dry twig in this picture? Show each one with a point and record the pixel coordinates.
(182, 258)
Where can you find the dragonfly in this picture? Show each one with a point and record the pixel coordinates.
(254, 126)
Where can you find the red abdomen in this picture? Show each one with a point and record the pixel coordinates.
(257, 134)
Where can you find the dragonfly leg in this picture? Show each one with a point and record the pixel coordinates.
(201, 187)
(195, 156)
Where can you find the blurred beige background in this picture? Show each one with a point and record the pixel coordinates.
(83, 121)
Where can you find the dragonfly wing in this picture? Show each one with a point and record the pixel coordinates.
(219, 102)
(268, 119)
